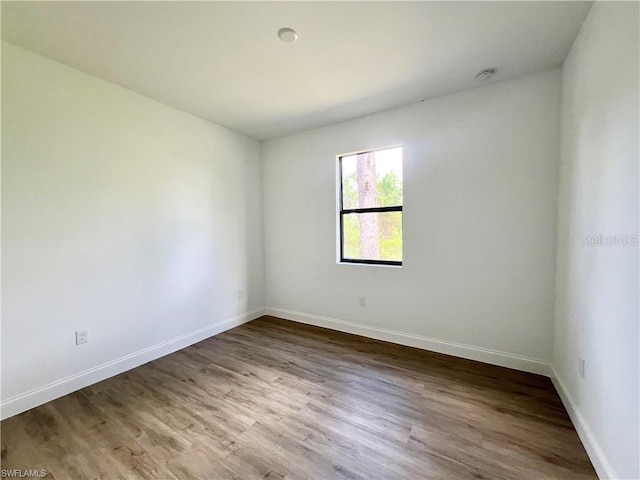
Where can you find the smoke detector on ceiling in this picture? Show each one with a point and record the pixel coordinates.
(287, 35)
(486, 74)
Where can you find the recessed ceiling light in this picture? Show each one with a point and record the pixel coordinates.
(287, 34)
(486, 74)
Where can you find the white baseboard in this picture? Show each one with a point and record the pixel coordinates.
(591, 445)
(59, 388)
(493, 357)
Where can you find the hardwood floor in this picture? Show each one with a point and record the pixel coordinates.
(275, 399)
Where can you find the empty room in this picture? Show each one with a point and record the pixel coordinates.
(320, 240)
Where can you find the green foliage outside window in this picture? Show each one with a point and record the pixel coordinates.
(389, 190)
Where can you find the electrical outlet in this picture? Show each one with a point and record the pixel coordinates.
(362, 301)
(581, 366)
(82, 336)
(240, 294)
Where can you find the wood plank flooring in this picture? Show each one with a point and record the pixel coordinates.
(274, 399)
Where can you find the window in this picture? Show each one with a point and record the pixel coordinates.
(371, 207)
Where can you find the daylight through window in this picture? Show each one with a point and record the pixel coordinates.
(371, 207)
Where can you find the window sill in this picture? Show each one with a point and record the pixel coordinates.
(357, 264)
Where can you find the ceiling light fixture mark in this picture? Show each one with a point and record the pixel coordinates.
(486, 74)
(287, 35)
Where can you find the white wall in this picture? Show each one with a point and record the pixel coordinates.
(120, 215)
(479, 224)
(597, 308)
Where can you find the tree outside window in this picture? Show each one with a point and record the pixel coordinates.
(371, 207)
